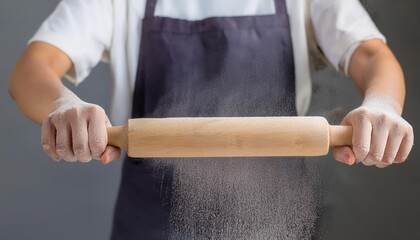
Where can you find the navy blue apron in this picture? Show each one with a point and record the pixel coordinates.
(216, 67)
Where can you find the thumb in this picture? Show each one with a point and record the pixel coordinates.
(344, 154)
(110, 154)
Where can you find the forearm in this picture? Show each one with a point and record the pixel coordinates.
(381, 136)
(71, 129)
(35, 83)
(378, 75)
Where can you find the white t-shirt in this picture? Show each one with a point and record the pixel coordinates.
(89, 31)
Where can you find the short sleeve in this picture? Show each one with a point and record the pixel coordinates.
(82, 30)
(340, 26)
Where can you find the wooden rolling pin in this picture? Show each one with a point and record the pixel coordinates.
(228, 137)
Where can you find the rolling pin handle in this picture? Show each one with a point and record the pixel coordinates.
(117, 137)
(341, 136)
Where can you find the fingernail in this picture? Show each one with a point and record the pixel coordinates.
(46, 147)
(347, 159)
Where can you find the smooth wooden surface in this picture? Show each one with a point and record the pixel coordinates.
(229, 137)
(341, 136)
(117, 136)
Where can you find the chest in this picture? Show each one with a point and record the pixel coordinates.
(193, 10)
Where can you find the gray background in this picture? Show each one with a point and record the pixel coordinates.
(40, 199)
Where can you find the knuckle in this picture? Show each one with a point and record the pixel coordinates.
(70, 159)
(55, 157)
(57, 118)
(85, 159)
(388, 159)
(401, 159)
(46, 148)
(362, 149)
(46, 121)
(408, 129)
(73, 113)
(95, 110)
(381, 165)
(367, 163)
(62, 150)
(376, 157)
(363, 113)
(397, 128)
(79, 149)
(45, 143)
(385, 119)
(97, 147)
(50, 117)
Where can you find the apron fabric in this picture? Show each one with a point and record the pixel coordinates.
(216, 67)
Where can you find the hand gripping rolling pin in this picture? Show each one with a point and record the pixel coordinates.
(228, 137)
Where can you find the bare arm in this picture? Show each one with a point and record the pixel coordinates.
(377, 73)
(381, 136)
(36, 86)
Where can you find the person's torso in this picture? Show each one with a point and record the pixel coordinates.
(224, 66)
(127, 27)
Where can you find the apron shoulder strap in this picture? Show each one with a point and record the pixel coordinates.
(150, 8)
(280, 6)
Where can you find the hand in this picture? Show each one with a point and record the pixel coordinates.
(76, 131)
(381, 136)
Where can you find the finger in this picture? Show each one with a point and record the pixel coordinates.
(63, 142)
(362, 131)
(368, 163)
(107, 122)
(97, 135)
(377, 145)
(344, 155)
(48, 139)
(392, 146)
(81, 141)
(405, 148)
(382, 165)
(110, 154)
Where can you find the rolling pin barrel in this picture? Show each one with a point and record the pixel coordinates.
(229, 137)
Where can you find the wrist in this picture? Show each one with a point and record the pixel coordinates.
(384, 102)
(65, 97)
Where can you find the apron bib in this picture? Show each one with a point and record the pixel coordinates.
(216, 67)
